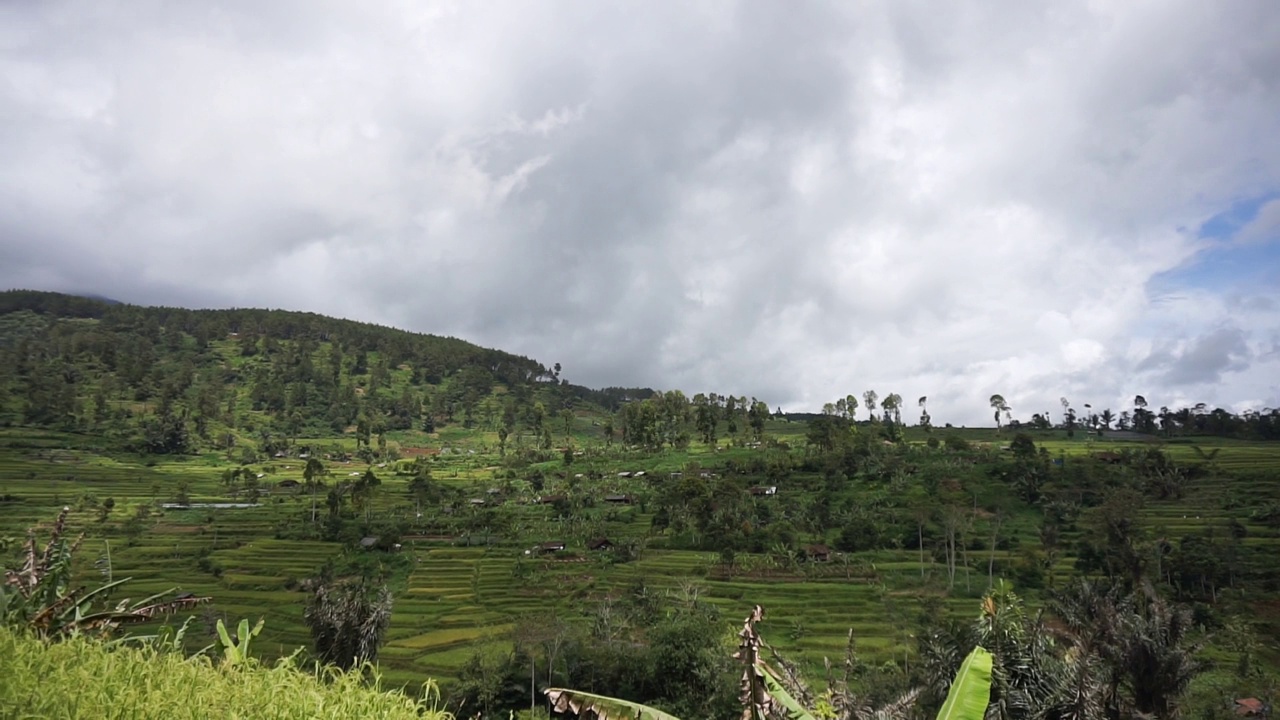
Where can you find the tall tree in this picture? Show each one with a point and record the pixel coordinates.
(892, 405)
(313, 477)
(1000, 406)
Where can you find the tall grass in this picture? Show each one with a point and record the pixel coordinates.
(82, 678)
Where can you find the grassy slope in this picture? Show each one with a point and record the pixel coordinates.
(81, 679)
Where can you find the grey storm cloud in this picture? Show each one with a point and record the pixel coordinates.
(1204, 359)
(793, 201)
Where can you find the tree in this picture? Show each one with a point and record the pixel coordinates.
(705, 417)
(567, 417)
(892, 405)
(1135, 655)
(166, 434)
(1143, 420)
(364, 490)
(925, 420)
(421, 487)
(313, 477)
(955, 521)
(1000, 406)
(869, 399)
(347, 620)
(757, 416)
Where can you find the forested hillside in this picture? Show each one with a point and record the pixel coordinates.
(169, 380)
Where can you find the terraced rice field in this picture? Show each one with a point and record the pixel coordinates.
(456, 599)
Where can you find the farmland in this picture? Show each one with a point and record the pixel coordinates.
(451, 598)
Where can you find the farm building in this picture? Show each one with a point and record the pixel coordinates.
(546, 548)
(818, 553)
(600, 543)
(1252, 707)
(618, 499)
(763, 490)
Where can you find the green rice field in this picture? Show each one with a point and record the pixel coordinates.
(452, 598)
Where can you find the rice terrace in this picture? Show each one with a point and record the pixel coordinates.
(526, 533)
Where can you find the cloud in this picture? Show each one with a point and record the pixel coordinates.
(1203, 360)
(793, 202)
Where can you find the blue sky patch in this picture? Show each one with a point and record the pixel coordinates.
(1230, 262)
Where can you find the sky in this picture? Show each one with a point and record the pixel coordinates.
(789, 200)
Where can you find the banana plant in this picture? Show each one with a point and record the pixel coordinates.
(235, 651)
(39, 595)
(765, 694)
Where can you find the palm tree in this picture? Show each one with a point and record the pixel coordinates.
(1134, 649)
(348, 621)
(1158, 655)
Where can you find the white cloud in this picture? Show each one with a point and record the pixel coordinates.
(794, 202)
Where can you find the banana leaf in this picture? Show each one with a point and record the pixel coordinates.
(971, 690)
(795, 711)
(599, 706)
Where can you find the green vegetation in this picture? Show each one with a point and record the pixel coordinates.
(83, 679)
(502, 531)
